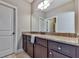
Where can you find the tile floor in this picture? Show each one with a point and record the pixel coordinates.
(18, 55)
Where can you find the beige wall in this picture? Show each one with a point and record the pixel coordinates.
(24, 10)
(36, 14)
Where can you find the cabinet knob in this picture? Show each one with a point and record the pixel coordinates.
(50, 53)
(59, 48)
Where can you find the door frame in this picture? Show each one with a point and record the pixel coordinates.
(16, 25)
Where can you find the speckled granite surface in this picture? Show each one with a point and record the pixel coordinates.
(67, 40)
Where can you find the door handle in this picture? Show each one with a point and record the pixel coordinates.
(13, 33)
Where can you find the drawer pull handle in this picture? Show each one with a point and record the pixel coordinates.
(59, 48)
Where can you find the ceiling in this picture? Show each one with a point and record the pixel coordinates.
(57, 3)
(30, 1)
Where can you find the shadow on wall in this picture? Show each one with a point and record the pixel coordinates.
(20, 43)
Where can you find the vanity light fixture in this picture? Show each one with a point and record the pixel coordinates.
(44, 5)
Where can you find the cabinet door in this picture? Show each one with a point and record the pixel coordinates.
(29, 47)
(39, 51)
(53, 54)
(24, 43)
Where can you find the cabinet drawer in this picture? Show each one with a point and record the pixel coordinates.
(52, 45)
(67, 49)
(53, 54)
(41, 41)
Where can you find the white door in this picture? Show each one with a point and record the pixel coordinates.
(6, 30)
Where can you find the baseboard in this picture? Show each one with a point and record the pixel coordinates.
(20, 50)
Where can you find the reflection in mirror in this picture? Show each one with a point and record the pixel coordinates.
(53, 16)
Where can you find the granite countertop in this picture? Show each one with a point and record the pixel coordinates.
(67, 40)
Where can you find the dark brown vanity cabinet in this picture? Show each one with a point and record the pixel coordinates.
(40, 51)
(29, 46)
(43, 48)
(77, 52)
(25, 43)
(40, 48)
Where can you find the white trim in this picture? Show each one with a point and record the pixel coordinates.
(16, 27)
(7, 4)
(16, 31)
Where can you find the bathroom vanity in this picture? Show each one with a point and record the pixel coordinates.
(50, 46)
(61, 24)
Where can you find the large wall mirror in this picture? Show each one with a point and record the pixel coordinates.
(53, 16)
